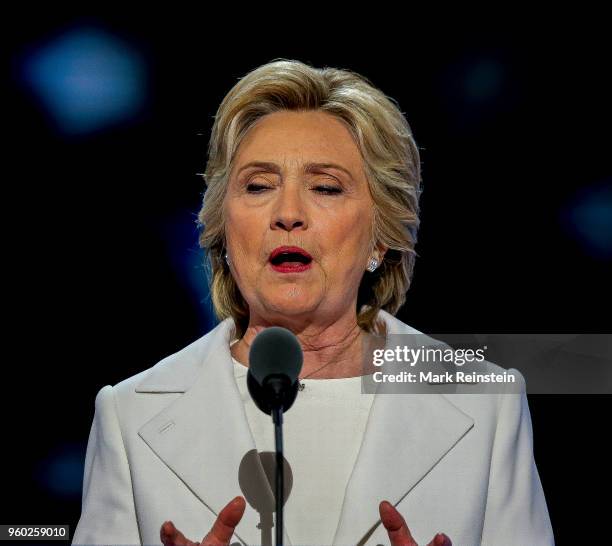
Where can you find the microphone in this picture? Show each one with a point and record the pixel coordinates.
(275, 362)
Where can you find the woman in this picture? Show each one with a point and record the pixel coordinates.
(309, 221)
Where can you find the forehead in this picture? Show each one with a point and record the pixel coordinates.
(300, 136)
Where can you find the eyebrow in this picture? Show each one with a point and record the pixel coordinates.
(308, 168)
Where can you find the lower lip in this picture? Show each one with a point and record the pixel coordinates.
(282, 268)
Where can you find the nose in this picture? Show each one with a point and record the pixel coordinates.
(289, 212)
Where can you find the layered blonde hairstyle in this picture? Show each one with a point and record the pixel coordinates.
(392, 168)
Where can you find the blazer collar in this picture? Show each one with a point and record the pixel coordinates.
(214, 453)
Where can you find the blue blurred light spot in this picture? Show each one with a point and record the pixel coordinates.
(87, 80)
(61, 472)
(588, 218)
(483, 80)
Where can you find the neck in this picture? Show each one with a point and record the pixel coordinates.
(330, 352)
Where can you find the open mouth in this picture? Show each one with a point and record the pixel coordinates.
(290, 259)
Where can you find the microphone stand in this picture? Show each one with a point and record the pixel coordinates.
(277, 418)
(275, 396)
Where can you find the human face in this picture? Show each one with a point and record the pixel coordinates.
(326, 210)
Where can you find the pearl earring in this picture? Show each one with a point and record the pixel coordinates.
(372, 265)
(227, 259)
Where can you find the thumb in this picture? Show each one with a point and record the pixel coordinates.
(223, 528)
(396, 526)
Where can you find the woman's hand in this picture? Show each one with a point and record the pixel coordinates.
(220, 534)
(398, 531)
(223, 528)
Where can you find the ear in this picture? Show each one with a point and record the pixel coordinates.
(381, 250)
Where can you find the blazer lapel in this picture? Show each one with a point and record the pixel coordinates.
(405, 437)
(213, 451)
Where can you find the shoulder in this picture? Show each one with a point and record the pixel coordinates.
(177, 371)
(135, 400)
(487, 399)
(395, 326)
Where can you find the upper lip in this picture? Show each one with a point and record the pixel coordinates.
(286, 249)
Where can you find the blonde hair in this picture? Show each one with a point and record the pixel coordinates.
(392, 167)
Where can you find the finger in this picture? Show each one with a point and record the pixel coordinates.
(396, 525)
(223, 528)
(440, 540)
(171, 536)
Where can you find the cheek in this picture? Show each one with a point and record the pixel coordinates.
(243, 229)
(346, 237)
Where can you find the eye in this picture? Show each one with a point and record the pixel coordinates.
(324, 190)
(328, 190)
(256, 188)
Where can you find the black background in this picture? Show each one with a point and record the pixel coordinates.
(92, 295)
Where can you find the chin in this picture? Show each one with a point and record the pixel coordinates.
(290, 307)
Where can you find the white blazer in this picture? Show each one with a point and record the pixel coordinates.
(168, 444)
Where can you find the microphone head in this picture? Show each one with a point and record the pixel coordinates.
(275, 350)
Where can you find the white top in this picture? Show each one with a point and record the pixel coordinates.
(322, 435)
